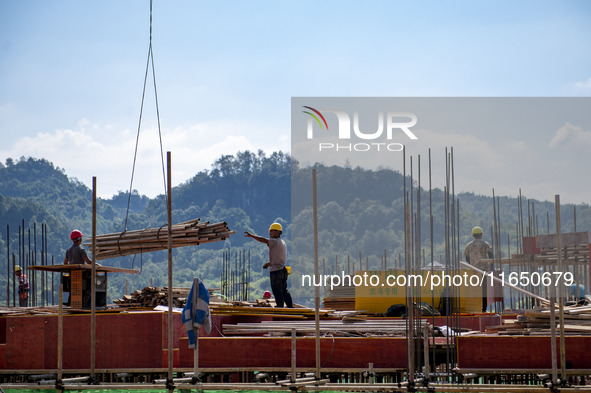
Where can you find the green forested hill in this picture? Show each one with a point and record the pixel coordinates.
(360, 214)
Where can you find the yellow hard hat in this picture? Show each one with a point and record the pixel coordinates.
(476, 231)
(288, 268)
(276, 226)
(17, 268)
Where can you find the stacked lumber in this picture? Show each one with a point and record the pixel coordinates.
(153, 296)
(340, 298)
(150, 297)
(339, 304)
(577, 321)
(346, 328)
(189, 233)
(573, 252)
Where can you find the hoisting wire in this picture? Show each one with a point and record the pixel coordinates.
(150, 59)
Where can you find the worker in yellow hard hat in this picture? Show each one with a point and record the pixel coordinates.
(277, 257)
(23, 287)
(476, 252)
(478, 249)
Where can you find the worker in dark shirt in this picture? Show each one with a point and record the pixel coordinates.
(76, 254)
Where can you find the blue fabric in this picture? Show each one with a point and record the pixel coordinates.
(196, 311)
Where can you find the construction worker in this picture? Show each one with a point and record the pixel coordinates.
(23, 287)
(76, 254)
(277, 256)
(476, 251)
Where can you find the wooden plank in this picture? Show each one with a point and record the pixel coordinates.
(69, 267)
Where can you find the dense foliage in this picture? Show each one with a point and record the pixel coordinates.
(360, 219)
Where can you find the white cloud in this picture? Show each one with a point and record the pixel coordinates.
(101, 151)
(571, 135)
(584, 85)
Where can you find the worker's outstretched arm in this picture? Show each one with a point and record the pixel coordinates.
(257, 238)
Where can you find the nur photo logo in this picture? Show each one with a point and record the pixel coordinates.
(390, 125)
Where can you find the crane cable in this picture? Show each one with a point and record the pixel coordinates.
(149, 60)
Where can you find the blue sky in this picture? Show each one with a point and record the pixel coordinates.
(71, 76)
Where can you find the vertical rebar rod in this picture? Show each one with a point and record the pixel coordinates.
(448, 263)
(411, 221)
(554, 361)
(496, 247)
(8, 272)
(432, 247)
(324, 275)
(43, 274)
(409, 301)
(502, 305)
(170, 303)
(13, 281)
(93, 285)
(52, 280)
(60, 333)
(456, 242)
(418, 327)
(27, 260)
(19, 263)
(509, 257)
(293, 355)
(520, 237)
(560, 288)
(34, 262)
(406, 251)
(316, 274)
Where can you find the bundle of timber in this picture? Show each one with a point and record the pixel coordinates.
(150, 297)
(189, 233)
(577, 321)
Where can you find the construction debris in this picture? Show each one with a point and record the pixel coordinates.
(341, 298)
(577, 320)
(150, 297)
(189, 233)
